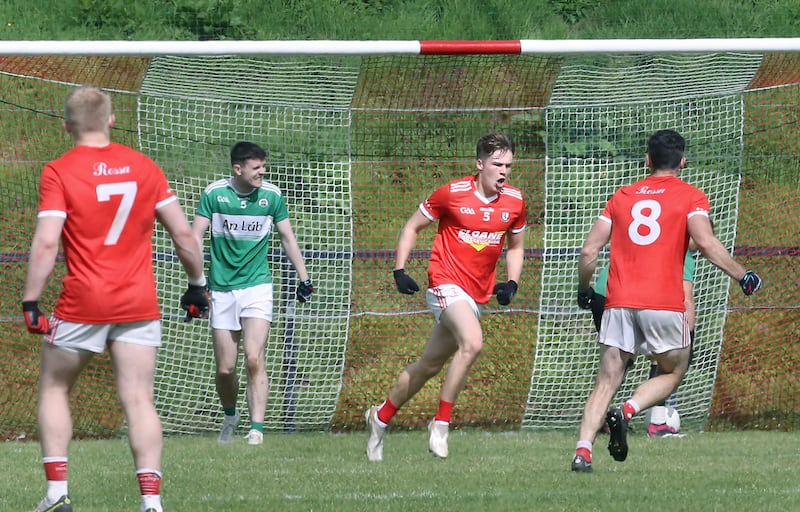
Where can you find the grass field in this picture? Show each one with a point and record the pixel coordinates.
(734, 471)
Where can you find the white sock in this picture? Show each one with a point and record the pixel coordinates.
(56, 489)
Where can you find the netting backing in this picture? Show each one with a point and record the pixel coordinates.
(356, 143)
(191, 111)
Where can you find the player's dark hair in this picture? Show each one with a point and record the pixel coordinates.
(665, 148)
(244, 151)
(492, 142)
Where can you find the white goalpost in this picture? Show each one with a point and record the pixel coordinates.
(358, 131)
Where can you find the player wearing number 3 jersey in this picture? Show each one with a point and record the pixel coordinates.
(649, 224)
(100, 201)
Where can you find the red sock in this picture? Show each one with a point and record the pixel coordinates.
(585, 453)
(628, 411)
(55, 468)
(149, 482)
(445, 411)
(387, 411)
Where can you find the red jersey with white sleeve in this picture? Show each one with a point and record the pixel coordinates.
(108, 197)
(470, 236)
(649, 238)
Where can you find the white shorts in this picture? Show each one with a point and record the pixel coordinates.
(442, 296)
(647, 331)
(228, 308)
(93, 337)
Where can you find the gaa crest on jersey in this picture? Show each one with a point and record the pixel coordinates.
(505, 216)
(263, 202)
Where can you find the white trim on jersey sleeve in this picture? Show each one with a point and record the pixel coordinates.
(428, 215)
(166, 201)
(52, 213)
(604, 218)
(697, 212)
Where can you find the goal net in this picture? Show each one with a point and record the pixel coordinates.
(598, 119)
(355, 141)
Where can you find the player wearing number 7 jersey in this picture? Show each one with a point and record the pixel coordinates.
(100, 201)
(649, 224)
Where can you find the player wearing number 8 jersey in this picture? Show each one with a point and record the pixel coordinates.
(649, 224)
(100, 201)
(654, 215)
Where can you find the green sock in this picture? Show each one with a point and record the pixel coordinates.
(230, 411)
(257, 426)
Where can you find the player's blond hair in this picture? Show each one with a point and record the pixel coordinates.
(87, 109)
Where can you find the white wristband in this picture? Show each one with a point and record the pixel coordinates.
(198, 281)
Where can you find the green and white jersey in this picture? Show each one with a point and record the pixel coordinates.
(240, 228)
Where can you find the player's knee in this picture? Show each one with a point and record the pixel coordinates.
(254, 363)
(226, 372)
(471, 349)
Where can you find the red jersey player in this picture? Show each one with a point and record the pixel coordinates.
(649, 224)
(100, 201)
(476, 215)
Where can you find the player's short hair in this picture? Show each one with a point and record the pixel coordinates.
(87, 109)
(492, 142)
(244, 151)
(665, 148)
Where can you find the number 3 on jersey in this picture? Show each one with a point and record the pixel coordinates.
(126, 189)
(645, 229)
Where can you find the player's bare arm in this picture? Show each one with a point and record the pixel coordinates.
(291, 248)
(189, 253)
(597, 238)
(408, 237)
(711, 248)
(42, 260)
(199, 226)
(515, 255)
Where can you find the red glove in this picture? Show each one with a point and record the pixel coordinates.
(35, 321)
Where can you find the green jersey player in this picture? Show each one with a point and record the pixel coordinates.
(241, 211)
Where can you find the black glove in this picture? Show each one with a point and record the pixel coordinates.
(195, 302)
(585, 298)
(304, 290)
(750, 282)
(404, 282)
(35, 321)
(505, 292)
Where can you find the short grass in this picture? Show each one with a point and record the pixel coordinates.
(734, 471)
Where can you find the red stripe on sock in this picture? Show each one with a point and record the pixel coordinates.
(149, 483)
(56, 470)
